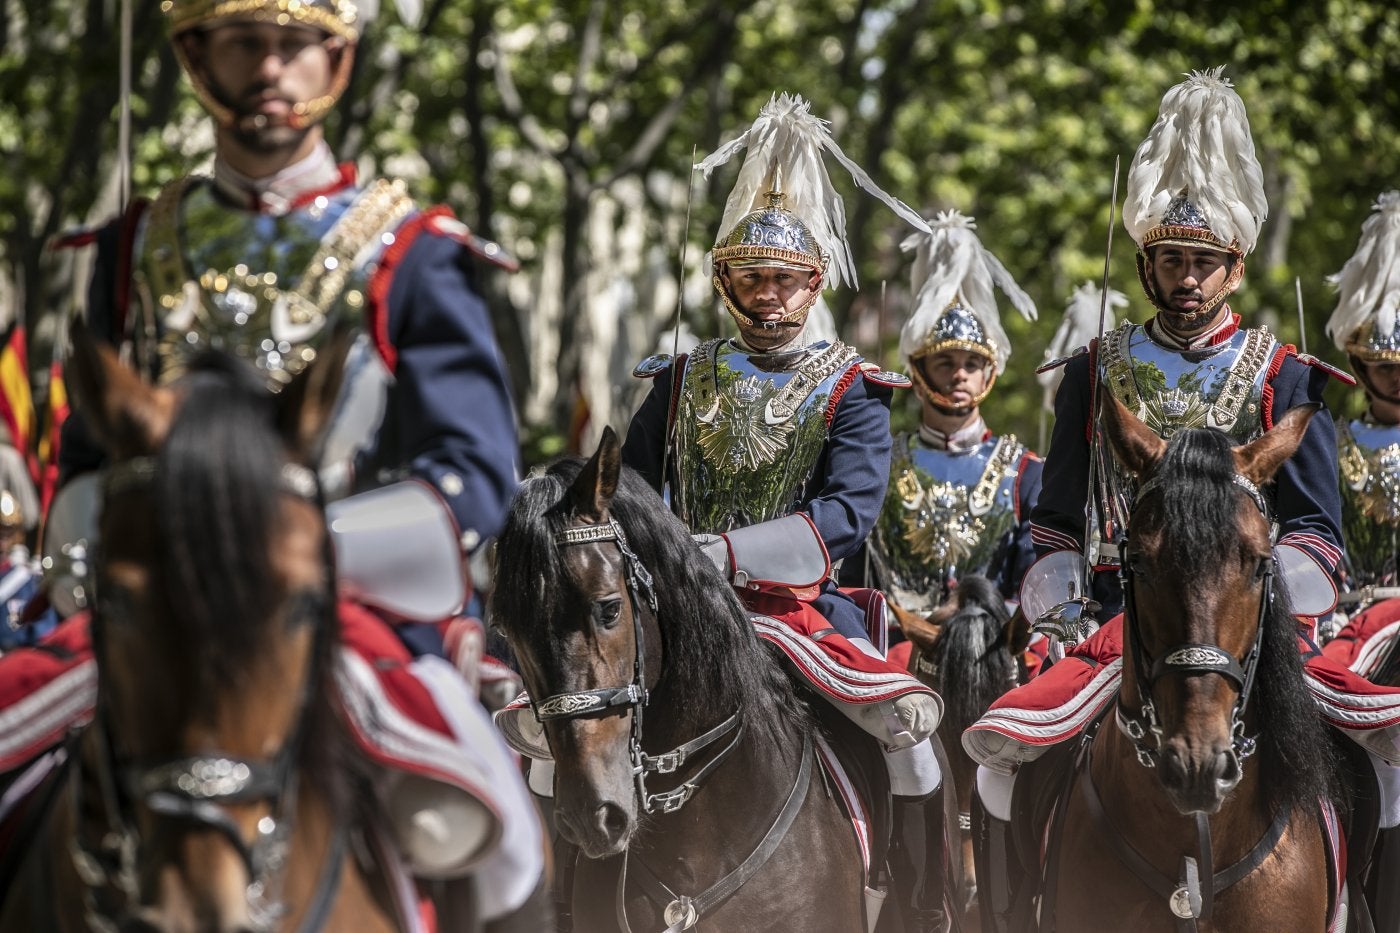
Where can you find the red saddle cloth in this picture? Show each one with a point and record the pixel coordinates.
(1362, 643)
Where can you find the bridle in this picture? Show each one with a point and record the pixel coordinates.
(197, 790)
(1190, 658)
(634, 696)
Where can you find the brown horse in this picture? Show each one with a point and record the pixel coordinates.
(188, 803)
(647, 673)
(967, 650)
(1170, 826)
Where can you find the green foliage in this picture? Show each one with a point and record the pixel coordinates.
(1010, 111)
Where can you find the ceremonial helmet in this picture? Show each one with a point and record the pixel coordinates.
(339, 18)
(11, 515)
(1195, 180)
(954, 303)
(783, 210)
(1368, 290)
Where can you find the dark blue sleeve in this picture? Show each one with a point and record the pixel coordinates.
(854, 470)
(453, 410)
(646, 435)
(1307, 496)
(1021, 552)
(1057, 517)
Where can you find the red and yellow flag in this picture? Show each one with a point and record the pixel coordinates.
(16, 401)
(54, 417)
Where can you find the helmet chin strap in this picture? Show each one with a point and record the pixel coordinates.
(1359, 367)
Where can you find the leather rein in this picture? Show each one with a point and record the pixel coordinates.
(197, 789)
(680, 912)
(1191, 897)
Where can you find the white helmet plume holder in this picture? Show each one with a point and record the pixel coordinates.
(398, 549)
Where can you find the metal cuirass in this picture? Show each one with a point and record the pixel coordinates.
(749, 430)
(1220, 386)
(267, 289)
(1369, 462)
(946, 514)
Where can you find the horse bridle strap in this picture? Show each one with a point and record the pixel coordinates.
(138, 472)
(1191, 897)
(681, 912)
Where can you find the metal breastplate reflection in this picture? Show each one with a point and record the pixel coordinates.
(1369, 463)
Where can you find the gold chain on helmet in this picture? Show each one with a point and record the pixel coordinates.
(339, 18)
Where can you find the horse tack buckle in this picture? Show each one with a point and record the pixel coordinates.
(681, 914)
(671, 800)
(667, 763)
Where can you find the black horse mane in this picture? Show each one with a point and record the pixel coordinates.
(217, 504)
(974, 663)
(1195, 509)
(713, 661)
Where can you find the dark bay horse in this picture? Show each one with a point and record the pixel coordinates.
(647, 675)
(214, 789)
(967, 650)
(1202, 807)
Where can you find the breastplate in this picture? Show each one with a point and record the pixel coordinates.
(946, 514)
(1220, 387)
(269, 290)
(749, 430)
(1369, 462)
(263, 288)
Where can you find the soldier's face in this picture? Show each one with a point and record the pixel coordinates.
(261, 72)
(766, 294)
(1186, 278)
(959, 375)
(1383, 379)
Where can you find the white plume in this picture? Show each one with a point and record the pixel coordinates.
(1200, 144)
(788, 141)
(1079, 326)
(1368, 287)
(951, 264)
(410, 11)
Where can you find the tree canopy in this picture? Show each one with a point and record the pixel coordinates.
(565, 130)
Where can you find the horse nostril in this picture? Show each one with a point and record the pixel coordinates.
(611, 819)
(1227, 768)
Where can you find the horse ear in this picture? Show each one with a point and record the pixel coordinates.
(1135, 444)
(127, 417)
(305, 405)
(593, 490)
(1260, 459)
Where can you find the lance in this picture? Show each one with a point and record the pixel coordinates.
(1302, 327)
(1095, 439)
(680, 300)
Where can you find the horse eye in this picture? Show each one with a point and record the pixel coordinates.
(606, 612)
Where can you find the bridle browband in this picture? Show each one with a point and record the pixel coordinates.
(197, 789)
(634, 696)
(1190, 658)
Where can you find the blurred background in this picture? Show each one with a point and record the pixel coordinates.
(565, 131)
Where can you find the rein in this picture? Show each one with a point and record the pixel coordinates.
(197, 789)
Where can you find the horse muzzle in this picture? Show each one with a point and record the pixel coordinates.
(1198, 783)
(600, 829)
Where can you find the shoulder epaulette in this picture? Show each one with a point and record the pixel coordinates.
(883, 377)
(1340, 375)
(1057, 363)
(652, 366)
(480, 247)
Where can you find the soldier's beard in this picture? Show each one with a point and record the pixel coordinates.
(253, 131)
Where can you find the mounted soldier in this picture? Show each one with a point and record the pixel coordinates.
(960, 497)
(775, 449)
(280, 256)
(1363, 327)
(19, 580)
(1194, 207)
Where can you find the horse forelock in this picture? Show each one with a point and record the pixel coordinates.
(712, 659)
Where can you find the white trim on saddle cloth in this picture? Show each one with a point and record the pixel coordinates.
(1004, 738)
(40, 720)
(840, 683)
(855, 807)
(521, 730)
(1373, 650)
(393, 739)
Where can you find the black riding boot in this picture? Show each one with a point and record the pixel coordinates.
(999, 873)
(918, 862)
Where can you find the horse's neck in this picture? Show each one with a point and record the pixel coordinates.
(1137, 805)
